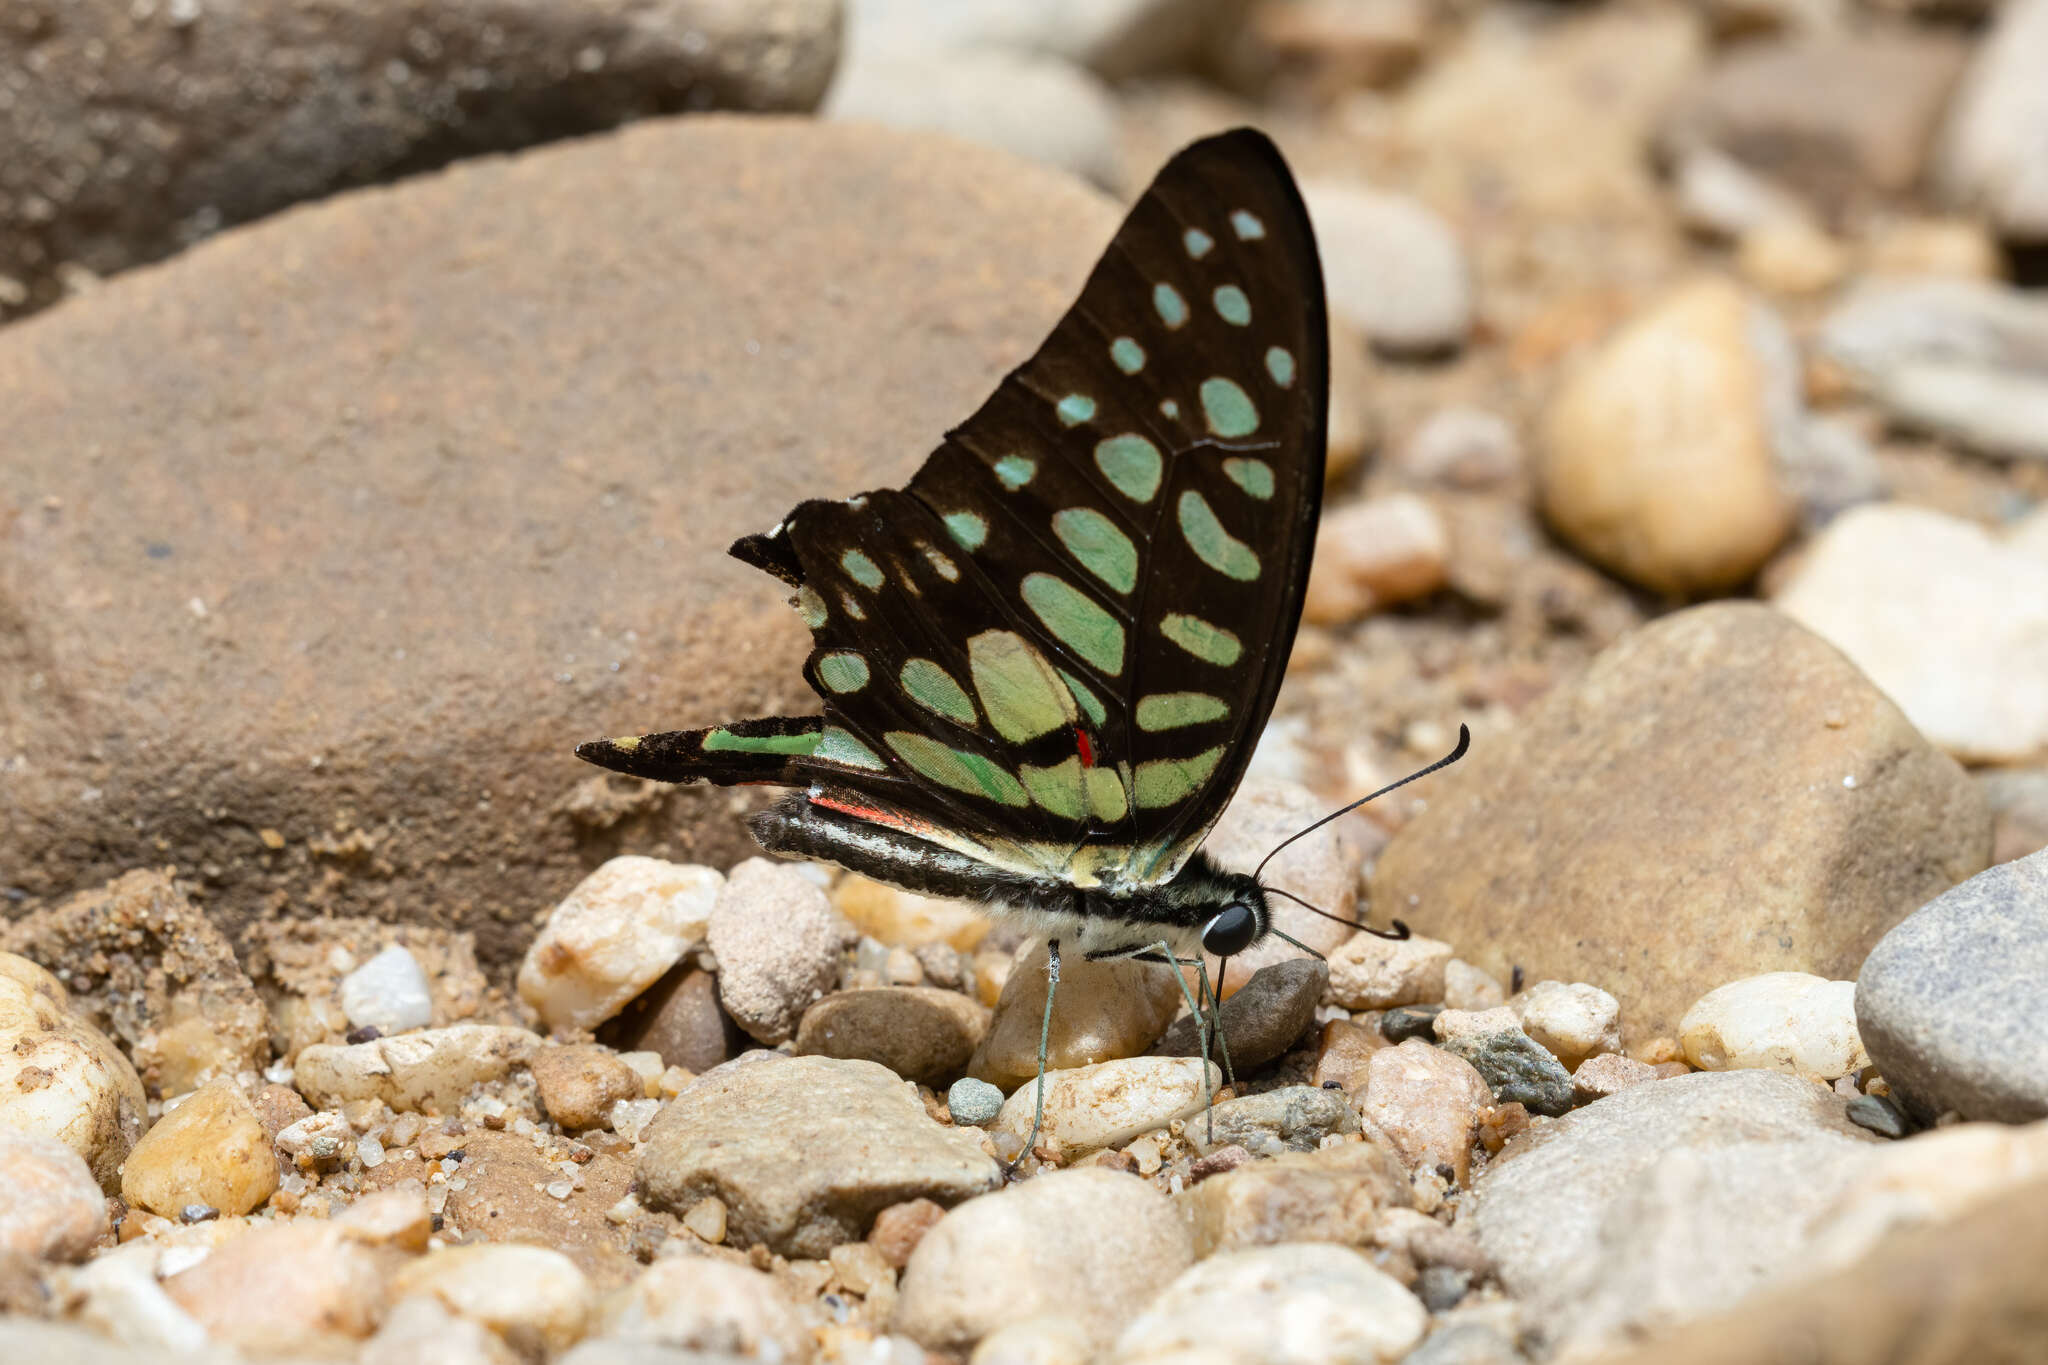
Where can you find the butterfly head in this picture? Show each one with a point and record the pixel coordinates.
(1234, 928)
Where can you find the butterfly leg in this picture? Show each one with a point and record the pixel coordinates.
(1215, 994)
(1052, 984)
(1174, 964)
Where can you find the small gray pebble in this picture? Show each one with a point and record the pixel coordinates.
(973, 1103)
(198, 1213)
(1879, 1115)
(1400, 1024)
(1441, 1287)
(1518, 1070)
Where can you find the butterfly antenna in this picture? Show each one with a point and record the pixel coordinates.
(1399, 931)
(1464, 742)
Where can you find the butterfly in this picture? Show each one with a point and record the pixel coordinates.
(1045, 661)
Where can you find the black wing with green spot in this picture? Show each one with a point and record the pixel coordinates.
(1065, 636)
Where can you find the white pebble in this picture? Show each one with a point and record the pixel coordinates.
(1572, 1022)
(1109, 1103)
(621, 928)
(388, 993)
(1779, 1021)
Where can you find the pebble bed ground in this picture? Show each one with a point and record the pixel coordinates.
(1689, 442)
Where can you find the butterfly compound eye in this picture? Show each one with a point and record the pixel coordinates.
(1231, 932)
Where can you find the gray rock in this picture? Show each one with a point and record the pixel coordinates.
(678, 1018)
(132, 132)
(919, 1032)
(1260, 1021)
(1664, 1201)
(1091, 1245)
(1041, 108)
(1949, 1003)
(805, 1153)
(1517, 1068)
(1403, 1022)
(777, 940)
(1294, 1118)
(1393, 268)
(973, 1103)
(1879, 1115)
(1989, 159)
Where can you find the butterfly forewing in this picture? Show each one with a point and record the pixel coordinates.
(1056, 648)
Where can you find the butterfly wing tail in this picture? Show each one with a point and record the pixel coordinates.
(770, 749)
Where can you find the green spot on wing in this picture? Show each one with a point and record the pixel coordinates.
(1197, 242)
(1231, 305)
(1253, 476)
(843, 671)
(1057, 788)
(1247, 227)
(1091, 705)
(933, 688)
(1128, 355)
(861, 569)
(1132, 464)
(1228, 408)
(1280, 364)
(725, 741)
(811, 607)
(1019, 690)
(1210, 644)
(1015, 471)
(1106, 796)
(1077, 621)
(968, 530)
(1169, 781)
(1171, 307)
(1076, 408)
(1102, 549)
(1170, 710)
(1215, 546)
(837, 746)
(955, 768)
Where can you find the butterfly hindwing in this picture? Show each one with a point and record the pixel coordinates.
(1054, 650)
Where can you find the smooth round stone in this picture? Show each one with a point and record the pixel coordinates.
(1048, 1340)
(51, 1208)
(1781, 1021)
(300, 1288)
(1341, 1194)
(1106, 1105)
(1656, 458)
(1293, 1118)
(1261, 1020)
(1879, 1115)
(1090, 1245)
(1948, 618)
(1517, 1068)
(1428, 1101)
(1572, 1022)
(613, 936)
(693, 1303)
(388, 993)
(524, 1292)
(1403, 1022)
(1103, 1011)
(428, 1070)
(579, 1084)
(60, 1077)
(777, 941)
(1392, 267)
(1988, 158)
(212, 1150)
(1335, 1304)
(973, 1103)
(419, 1331)
(679, 1019)
(1374, 973)
(921, 1033)
(1373, 554)
(1950, 1002)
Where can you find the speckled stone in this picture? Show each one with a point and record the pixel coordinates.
(1264, 1018)
(1515, 1066)
(973, 1103)
(1292, 1118)
(777, 940)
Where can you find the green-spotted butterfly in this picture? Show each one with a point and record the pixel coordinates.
(1045, 662)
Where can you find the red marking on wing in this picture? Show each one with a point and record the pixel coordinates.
(872, 814)
(1087, 749)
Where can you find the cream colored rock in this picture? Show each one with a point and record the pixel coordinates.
(211, 1150)
(117, 1295)
(1089, 1245)
(610, 938)
(1105, 1105)
(526, 1294)
(1428, 1101)
(1950, 620)
(1608, 1073)
(397, 1217)
(777, 940)
(51, 1208)
(1300, 1303)
(1376, 553)
(1779, 1021)
(1374, 973)
(1467, 987)
(1339, 1194)
(419, 1331)
(1050, 1340)
(62, 1078)
(898, 917)
(1104, 1011)
(303, 1288)
(1572, 1022)
(429, 1071)
(698, 1304)
(1931, 1177)
(1791, 256)
(1655, 459)
(1956, 247)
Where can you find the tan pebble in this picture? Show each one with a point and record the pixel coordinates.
(523, 1293)
(1343, 1049)
(396, 1217)
(903, 969)
(1659, 1050)
(1106, 1010)
(1572, 1021)
(1957, 247)
(430, 1070)
(861, 1267)
(1047, 1340)
(906, 919)
(613, 936)
(1606, 1074)
(696, 1303)
(303, 1288)
(706, 1218)
(210, 1150)
(899, 1228)
(1671, 1070)
(419, 1331)
(1791, 256)
(579, 1084)
(1374, 554)
(51, 1208)
(1374, 973)
(1501, 1123)
(278, 1107)
(1428, 1101)
(1109, 1103)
